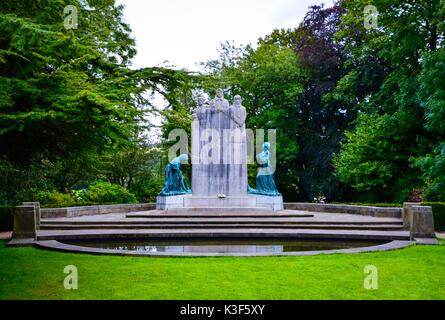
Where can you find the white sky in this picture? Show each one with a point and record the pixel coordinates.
(186, 32)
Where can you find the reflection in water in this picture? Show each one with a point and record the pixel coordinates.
(225, 245)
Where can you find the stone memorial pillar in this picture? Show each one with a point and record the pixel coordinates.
(422, 222)
(219, 152)
(219, 162)
(37, 211)
(24, 232)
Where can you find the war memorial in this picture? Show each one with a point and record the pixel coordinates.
(219, 165)
(220, 213)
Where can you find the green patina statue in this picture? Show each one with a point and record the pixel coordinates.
(265, 183)
(175, 182)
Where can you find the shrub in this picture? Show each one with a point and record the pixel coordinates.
(107, 193)
(78, 195)
(54, 199)
(97, 193)
(438, 213)
(147, 188)
(6, 218)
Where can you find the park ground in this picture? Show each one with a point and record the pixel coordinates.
(417, 272)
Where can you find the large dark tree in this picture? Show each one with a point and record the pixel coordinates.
(321, 116)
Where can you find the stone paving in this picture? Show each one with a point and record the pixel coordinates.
(317, 217)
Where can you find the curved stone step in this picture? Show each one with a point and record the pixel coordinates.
(239, 233)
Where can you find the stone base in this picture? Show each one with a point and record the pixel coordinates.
(426, 241)
(422, 222)
(24, 222)
(25, 242)
(190, 202)
(171, 202)
(215, 202)
(274, 203)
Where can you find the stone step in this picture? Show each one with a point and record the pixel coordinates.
(221, 226)
(217, 209)
(219, 214)
(219, 220)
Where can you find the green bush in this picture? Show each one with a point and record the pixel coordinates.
(97, 193)
(54, 199)
(107, 193)
(146, 188)
(438, 213)
(6, 218)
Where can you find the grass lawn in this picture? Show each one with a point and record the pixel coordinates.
(417, 272)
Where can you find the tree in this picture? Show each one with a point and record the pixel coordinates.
(137, 168)
(407, 33)
(69, 94)
(373, 158)
(65, 91)
(322, 117)
(432, 99)
(268, 79)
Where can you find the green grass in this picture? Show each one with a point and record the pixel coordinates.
(417, 272)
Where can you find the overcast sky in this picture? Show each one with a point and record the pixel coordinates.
(186, 32)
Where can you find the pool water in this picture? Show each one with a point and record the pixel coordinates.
(225, 245)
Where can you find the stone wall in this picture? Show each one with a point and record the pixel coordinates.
(95, 210)
(388, 212)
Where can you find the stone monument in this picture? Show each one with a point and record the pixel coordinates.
(219, 163)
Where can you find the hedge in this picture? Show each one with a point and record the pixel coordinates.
(54, 199)
(6, 218)
(105, 192)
